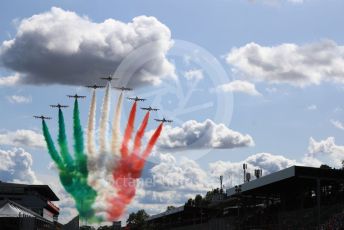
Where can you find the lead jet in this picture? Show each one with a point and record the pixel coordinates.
(94, 86)
(42, 117)
(123, 88)
(136, 99)
(163, 120)
(59, 106)
(149, 109)
(76, 96)
(109, 78)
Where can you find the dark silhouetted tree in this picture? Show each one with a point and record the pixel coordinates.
(137, 220)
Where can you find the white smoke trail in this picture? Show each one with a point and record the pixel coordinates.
(116, 133)
(91, 124)
(103, 170)
(104, 120)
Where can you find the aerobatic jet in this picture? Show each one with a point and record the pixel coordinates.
(59, 106)
(95, 86)
(109, 78)
(149, 109)
(123, 88)
(42, 117)
(136, 99)
(76, 96)
(163, 120)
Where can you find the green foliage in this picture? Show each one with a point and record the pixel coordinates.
(323, 166)
(169, 208)
(138, 220)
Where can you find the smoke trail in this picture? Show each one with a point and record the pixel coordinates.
(104, 120)
(129, 170)
(128, 131)
(116, 127)
(72, 180)
(152, 142)
(80, 157)
(91, 124)
(51, 147)
(62, 140)
(140, 133)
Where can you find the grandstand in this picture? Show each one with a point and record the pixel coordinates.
(294, 198)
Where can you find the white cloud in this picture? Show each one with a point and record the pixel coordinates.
(19, 99)
(62, 47)
(9, 80)
(194, 75)
(16, 166)
(327, 147)
(22, 138)
(312, 107)
(233, 173)
(296, 65)
(240, 87)
(197, 135)
(337, 124)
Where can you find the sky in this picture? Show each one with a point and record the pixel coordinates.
(244, 81)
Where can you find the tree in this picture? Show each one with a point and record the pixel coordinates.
(325, 166)
(198, 200)
(137, 220)
(169, 208)
(343, 164)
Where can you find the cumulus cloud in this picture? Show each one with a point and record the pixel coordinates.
(22, 138)
(337, 124)
(232, 171)
(16, 166)
(18, 99)
(327, 147)
(195, 75)
(196, 135)
(293, 64)
(9, 80)
(61, 47)
(239, 87)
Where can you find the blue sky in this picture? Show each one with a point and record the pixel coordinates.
(280, 113)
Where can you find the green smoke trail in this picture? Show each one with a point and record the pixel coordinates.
(73, 179)
(62, 140)
(80, 157)
(51, 147)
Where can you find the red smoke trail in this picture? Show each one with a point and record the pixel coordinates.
(129, 169)
(148, 149)
(128, 131)
(139, 134)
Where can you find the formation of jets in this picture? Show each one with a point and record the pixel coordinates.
(136, 98)
(149, 108)
(76, 96)
(163, 120)
(122, 88)
(59, 106)
(42, 117)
